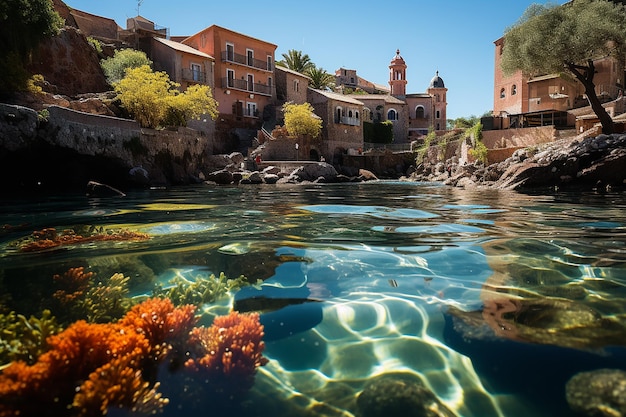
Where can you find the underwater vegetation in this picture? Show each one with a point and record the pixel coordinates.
(90, 368)
(49, 238)
(200, 291)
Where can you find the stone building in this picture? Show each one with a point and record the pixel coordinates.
(412, 115)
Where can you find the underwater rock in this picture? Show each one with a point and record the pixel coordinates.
(399, 395)
(598, 393)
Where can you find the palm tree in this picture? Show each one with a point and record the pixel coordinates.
(296, 61)
(320, 79)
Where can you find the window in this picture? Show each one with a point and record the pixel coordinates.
(230, 52)
(196, 73)
(250, 57)
(513, 90)
(296, 85)
(269, 63)
(230, 76)
(392, 115)
(269, 83)
(250, 82)
(437, 116)
(338, 115)
(349, 113)
(251, 109)
(419, 112)
(502, 93)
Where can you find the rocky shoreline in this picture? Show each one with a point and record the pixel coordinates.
(590, 163)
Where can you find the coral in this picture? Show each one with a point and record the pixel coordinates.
(73, 285)
(49, 238)
(160, 322)
(80, 298)
(118, 383)
(201, 290)
(25, 339)
(228, 351)
(92, 368)
(108, 301)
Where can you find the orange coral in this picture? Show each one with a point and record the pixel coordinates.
(74, 283)
(91, 368)
(160, 322)
(49, 238)
(231, 348)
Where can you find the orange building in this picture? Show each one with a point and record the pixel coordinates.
(244, 71)
(520, 101)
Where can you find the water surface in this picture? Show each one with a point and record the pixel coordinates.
(491, 299)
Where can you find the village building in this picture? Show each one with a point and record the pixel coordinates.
(413, 115)
(551, 99)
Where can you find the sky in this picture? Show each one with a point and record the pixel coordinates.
(454, 37)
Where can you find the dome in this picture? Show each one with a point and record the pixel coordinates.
(397, 59)
(436, 82)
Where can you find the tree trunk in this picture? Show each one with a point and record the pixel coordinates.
(585, 74)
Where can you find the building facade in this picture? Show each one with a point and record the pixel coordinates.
(244, 70)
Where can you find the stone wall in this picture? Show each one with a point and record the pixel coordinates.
(518, 137)
(70, 148)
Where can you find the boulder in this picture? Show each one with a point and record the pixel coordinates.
(598, 393)
(222, 177)
(312, 172)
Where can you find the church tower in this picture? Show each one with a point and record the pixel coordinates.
(437, 90)
(397, 76)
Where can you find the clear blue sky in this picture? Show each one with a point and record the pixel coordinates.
(454, 37)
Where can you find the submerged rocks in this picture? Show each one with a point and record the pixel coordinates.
(399, 395)
(598, 393)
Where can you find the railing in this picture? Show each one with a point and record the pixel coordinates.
(352, 121)
(193, 75)
(243, 85)
(229, 56)
(268, 135)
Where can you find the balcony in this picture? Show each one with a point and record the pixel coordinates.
(229, 56)
(243, 85)
(194, 75)
(352, 121)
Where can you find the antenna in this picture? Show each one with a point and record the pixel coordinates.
(138, 5)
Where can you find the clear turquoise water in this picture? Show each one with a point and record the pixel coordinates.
(484, 295)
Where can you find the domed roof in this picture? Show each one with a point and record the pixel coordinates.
(437, 82)
(397, 59)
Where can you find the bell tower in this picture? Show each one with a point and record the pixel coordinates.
(437, 90)
(397, 76)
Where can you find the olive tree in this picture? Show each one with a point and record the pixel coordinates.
(550, 39)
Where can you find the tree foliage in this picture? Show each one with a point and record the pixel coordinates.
(300, 120)
(154, 100)
(320, 79)
(115, 67)
(550, 39)
(23, 25)
(297, 61)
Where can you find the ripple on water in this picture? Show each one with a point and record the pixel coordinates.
(373, 211)
(364, 336)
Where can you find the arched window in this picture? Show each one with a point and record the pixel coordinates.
(513, 90)
(349, 113)
(502, 93)
(437, 114)
(338, 115)
(356, 114)
(392, 114)
(419, 112)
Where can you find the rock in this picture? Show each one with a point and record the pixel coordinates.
(271, 170)
(271, 178)
(96, 189)
(367, 175)
(598, 393)
(222, 177)
(399, 395)
(236, 158)
(311, 172)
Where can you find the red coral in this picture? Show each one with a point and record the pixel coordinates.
(50, 238)
(230, 349)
